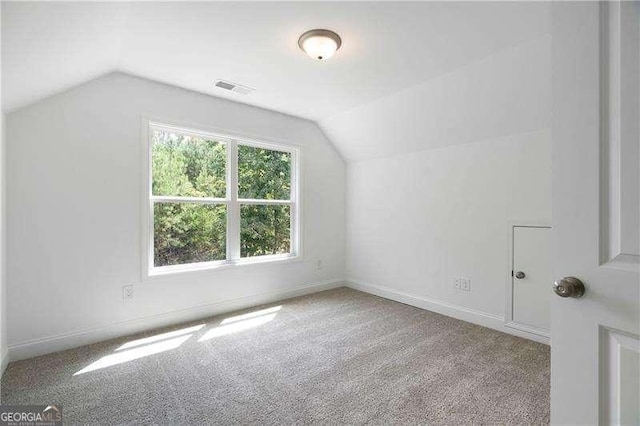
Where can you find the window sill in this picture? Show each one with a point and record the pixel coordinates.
(222, 265)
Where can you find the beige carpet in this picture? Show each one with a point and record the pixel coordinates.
(340, 356)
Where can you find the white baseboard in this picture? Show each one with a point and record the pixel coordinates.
(495, 322)
(75, 339)
(4, 361)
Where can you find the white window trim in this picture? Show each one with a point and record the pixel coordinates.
(231, 201)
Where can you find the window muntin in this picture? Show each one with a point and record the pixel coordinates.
(218, 201)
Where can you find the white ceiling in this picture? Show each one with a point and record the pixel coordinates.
(48, 47)
(504, 94)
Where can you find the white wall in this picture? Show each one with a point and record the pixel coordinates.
(448, 165)
(4, 352)
(74, 189)
(4, 359)
(417, 220)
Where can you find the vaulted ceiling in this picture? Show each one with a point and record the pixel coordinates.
(388, 47)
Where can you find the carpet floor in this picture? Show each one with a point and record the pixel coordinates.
(335, 357)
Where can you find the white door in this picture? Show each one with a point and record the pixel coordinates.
(596, 208)
(531, 277)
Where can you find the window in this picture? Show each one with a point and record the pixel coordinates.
(216, 200)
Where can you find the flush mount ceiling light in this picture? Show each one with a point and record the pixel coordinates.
(320, 44)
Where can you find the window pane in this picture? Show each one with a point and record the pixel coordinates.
(263, 173)
(189, 233)
(264, 230)
(187, 166)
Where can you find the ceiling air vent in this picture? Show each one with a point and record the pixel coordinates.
(234, 87)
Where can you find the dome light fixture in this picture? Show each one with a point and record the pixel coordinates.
(319, 44)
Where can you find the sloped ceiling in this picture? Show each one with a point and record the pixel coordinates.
(503, 94)
(49, 47)
(387, 49)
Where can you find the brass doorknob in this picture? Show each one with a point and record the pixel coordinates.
(569, 287)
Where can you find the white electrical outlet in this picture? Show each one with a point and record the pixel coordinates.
(465, 284)
(319, 264)
(127, 292)
(462, 283)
